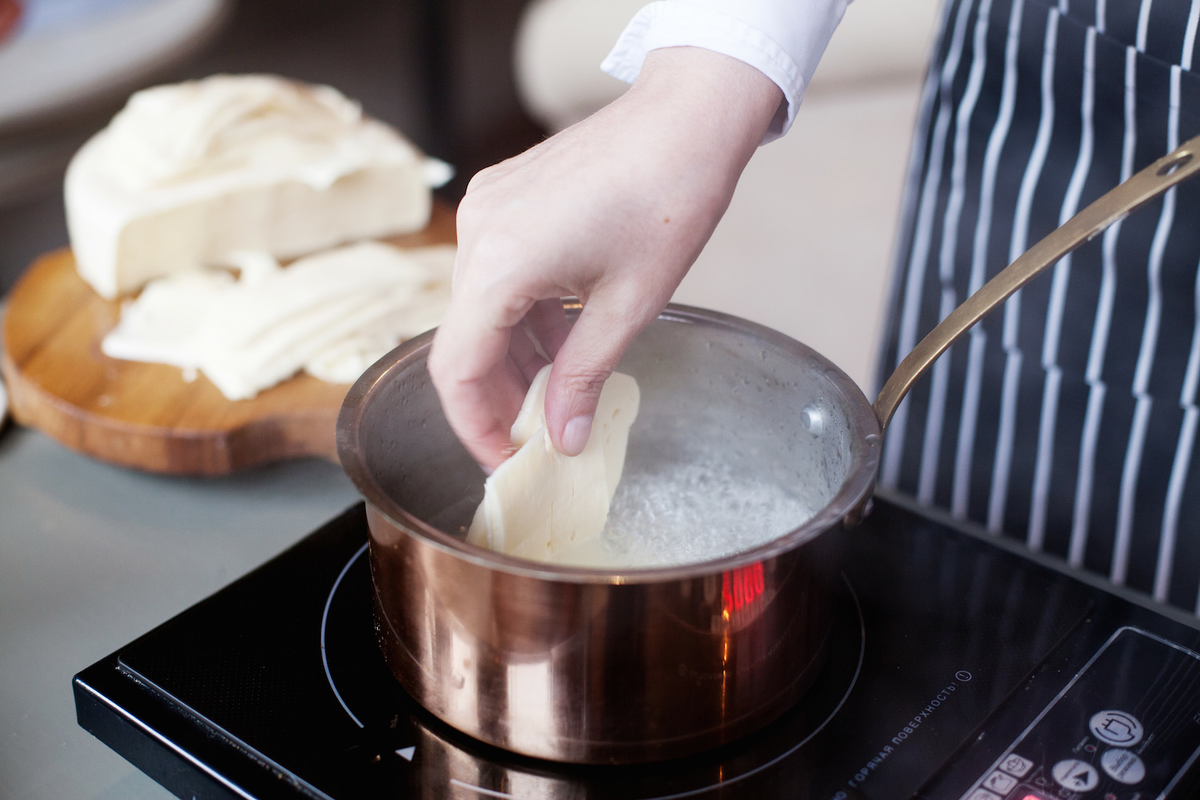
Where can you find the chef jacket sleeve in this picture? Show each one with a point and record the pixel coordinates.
(783, 39)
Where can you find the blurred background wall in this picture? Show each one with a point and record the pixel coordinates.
(805, 247)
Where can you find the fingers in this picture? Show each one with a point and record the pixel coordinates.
(527, 355)
(480, 411)
(480, 373)
(483, 359)
(547, 323)
(589, 355)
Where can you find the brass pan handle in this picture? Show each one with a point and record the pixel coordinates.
(1132, 194)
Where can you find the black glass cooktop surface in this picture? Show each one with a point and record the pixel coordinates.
(957, 670)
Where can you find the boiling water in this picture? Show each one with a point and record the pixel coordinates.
(681, 512)
(695, 511)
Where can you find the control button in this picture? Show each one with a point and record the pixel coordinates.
(1116, 728)
(1076, 775)
(981, 794)
(1123, 766)
(1015, 765)
(1000, 783)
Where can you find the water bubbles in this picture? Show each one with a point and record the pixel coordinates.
(696, 511)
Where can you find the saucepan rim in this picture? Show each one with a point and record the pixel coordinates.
(864, 449)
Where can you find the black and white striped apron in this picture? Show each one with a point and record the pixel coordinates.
(1069, 418)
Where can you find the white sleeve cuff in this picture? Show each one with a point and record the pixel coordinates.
(788, 55)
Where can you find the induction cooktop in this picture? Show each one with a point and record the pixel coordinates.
(960, 669)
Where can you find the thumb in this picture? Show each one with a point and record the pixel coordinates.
(589, 355)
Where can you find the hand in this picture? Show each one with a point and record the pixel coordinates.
(614, 211)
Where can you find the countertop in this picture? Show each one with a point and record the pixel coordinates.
(92, 556)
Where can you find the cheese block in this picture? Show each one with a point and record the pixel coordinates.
(545, 506)
(187, 175)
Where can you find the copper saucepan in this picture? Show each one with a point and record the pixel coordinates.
(582, 665)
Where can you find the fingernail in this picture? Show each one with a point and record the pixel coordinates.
(575, 435)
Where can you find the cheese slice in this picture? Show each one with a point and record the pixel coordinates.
(545, 506)
(332, 315)
(187, 175)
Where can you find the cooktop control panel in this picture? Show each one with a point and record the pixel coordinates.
(1127, 726)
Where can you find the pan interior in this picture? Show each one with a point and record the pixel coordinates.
(742, 435)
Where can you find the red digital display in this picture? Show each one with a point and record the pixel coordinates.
(741, 587)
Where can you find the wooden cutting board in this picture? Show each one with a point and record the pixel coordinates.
(146, 415)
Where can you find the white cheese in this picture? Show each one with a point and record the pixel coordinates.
(332, 314)
(160, 325)
(186, 175)
(545, 506)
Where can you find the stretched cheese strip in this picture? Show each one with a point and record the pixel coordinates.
(545, 506)
(160, 326)
(331, 314)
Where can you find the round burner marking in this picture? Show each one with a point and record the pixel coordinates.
(325, 618)
(862, 649)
